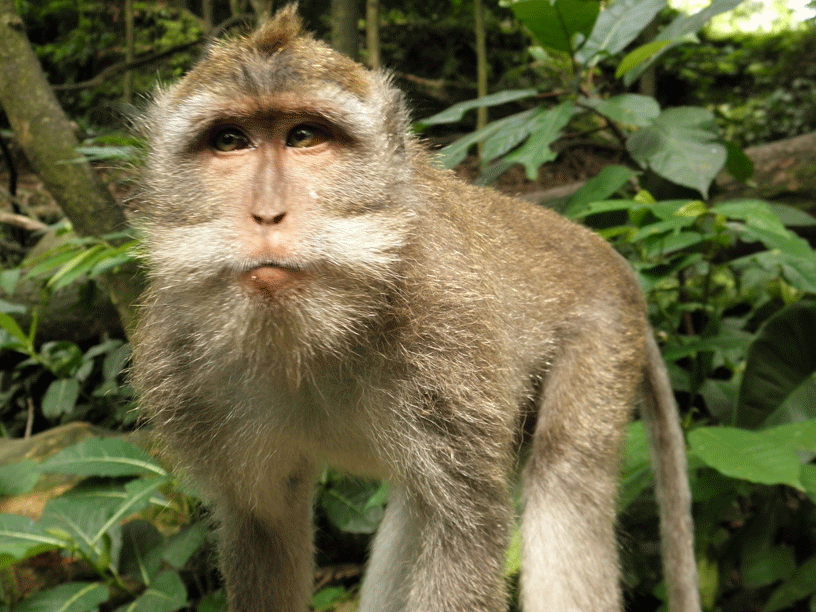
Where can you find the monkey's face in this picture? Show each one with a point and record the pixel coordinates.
(271, 180)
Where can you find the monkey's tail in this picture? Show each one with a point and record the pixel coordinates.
(661, 418)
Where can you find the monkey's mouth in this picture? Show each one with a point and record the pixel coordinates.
(271, 277)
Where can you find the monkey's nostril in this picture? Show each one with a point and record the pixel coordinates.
(268, 220)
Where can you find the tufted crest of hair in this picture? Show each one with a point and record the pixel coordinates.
(278, 32)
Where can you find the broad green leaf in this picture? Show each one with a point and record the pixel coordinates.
(9, 279)
(11, 326)
(21, 537)
(780, 365)
(746, 455)
(801, 585)
(60, 397)
(142, 548)
(18, 478)
(738, 164)
(640, 55)
(166, 593)
(598, 188)
(767, 566)
(547, 129)
(513, 132)
(345, 502)
(458, 150)
(71, 597)
(636, 473)
(214, 602)
(616, 27)
(328, 597)
(103, 457)
(798, 436)
(680, 30)
(457, 111)
(182, 546)
(555, 23)
(790, 216)
(632, 109)
(681, 145)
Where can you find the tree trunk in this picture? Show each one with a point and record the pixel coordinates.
(46, 137)
(344, 17)
(373, 33)
(481, 65)
(130, 39)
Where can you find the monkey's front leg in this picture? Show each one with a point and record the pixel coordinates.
(265, 547)
(441, 545)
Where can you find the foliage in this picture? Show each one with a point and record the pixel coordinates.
(77, 381)
(97, 523)
(75, 40)
(760, 86)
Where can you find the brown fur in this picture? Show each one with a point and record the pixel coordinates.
(348, 303)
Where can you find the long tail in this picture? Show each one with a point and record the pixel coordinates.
(661, 419)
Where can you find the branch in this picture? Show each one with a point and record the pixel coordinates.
(26, 223)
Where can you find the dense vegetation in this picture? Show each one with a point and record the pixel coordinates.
(731, 288)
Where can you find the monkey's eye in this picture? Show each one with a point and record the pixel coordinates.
(229, 138)
(304, 135)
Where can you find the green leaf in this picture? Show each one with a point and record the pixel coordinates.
(71, 597)
(636, 473)
(632, 109)
(182, 546)
(616, 27)
(801, 585)
(60, 397)
(555, 23)
(9, 279)
(598, 188)
(546, 130)
(103, 457)
(746, 455)
(767, 566)
(738, 164)
(681, 145)
(10, 325)
(642, 54)
(21, 537)
(679, 31)
(18, 478)
(166, 593)
(328, 597)
(214, 602)
(779, 385)
(455, 152)
(346, 505)
(457, 111)
(142, 547)
(798, 436)
(512, 563)
(512, 133)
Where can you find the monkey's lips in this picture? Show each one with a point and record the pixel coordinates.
(270, 279)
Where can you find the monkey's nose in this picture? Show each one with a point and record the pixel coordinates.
(261, 219)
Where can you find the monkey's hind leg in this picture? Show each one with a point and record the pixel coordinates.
(569, 549)
(394, 553)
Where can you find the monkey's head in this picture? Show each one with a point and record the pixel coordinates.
(275, 165)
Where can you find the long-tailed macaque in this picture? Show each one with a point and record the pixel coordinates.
(321, 294)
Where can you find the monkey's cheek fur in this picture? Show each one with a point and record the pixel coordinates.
(269, 281)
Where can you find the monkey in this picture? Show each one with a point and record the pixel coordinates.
(322, 293)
